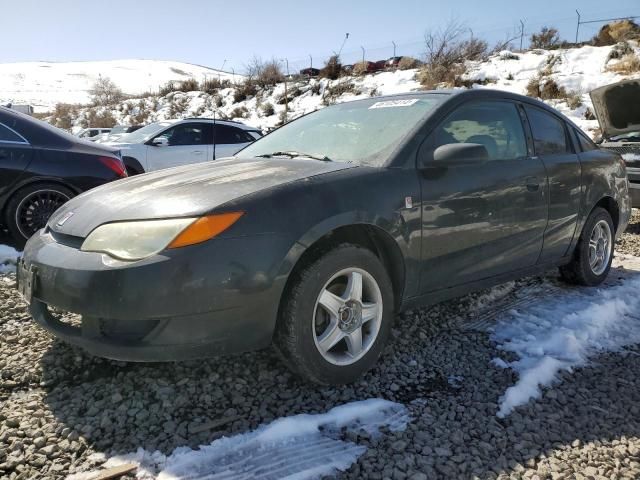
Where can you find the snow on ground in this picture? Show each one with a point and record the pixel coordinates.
(578, 70)
(43, 84)
(8, 257)
(561, 332)
(300, 447)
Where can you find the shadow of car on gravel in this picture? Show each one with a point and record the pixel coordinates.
(117, 407)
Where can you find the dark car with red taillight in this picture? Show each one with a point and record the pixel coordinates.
(42, 167)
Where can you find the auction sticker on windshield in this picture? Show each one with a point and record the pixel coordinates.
(394, 103)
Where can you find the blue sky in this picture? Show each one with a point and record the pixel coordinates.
(208, 32)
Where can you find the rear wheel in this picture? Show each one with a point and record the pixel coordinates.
(336, 317)
(593, 255)
(30, 208)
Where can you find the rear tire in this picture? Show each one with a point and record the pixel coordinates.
(593, 254)
(336, 317)
(30, 208)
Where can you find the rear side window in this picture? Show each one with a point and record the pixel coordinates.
(586, 144)
(494, 124)
(549, 135)
(186, 134)
(227, 134)
(7, 135)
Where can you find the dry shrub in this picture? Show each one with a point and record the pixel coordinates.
(168, 88)
(267, 109)
(360, 68)
(546, 38)
(64, 115)
(574, 100)
(621, 31)
(264, 73)
(407, 63)
(245, 90)
(589, 115)
(315, 88)
(433, 76)
(105, 92)
(103, 119)
(332, 68)
(447, 50)
(619, 50)
(212, 85)
(190, 85)
(545, 89)
(178, 106)
(629, 63)
(239, 112)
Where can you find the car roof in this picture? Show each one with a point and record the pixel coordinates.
(478, 93)
(218, 120)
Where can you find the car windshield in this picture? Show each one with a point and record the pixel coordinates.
(364, 132)
(143, 134)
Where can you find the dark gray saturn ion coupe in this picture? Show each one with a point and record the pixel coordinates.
(315, 235)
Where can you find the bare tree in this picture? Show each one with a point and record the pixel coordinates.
(264, 73)
(546, 38)
(453, 44)
(105, 92)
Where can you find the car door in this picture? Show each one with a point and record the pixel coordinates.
(179, 145)
(553, 147)
(482, 218)
(229, 140)
(15, 155)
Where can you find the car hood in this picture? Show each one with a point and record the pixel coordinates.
(185, 191)
(617, 107)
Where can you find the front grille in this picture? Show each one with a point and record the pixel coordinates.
(622, 149)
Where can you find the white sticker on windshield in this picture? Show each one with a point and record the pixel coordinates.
(394, 103)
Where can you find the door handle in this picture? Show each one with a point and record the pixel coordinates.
(532, 183)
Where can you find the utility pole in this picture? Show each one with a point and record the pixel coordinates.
(578, 25)
(310, 61)
(223, 63)
(362, 53)
(346, 36)
(521, 34)
(394, 48)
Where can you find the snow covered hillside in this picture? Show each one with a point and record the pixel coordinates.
(43, 84)
(575, 72)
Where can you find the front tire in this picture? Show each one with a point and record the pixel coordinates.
(593, 255)
(336, 317)
(30, 208)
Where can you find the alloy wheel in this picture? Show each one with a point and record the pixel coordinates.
(347, 316)
(600, 247)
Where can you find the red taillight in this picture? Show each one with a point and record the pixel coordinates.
(114, 164)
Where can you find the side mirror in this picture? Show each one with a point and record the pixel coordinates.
(160, 142)
(460, 154)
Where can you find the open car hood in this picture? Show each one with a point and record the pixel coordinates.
(617, 107)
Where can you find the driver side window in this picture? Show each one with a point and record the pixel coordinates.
(494, 124)
(185, 134)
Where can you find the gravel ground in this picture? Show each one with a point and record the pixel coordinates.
(58, 406)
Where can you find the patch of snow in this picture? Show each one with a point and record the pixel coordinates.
(299, 447)
(8, 259)
(43, 84)
(500, 363)
(563, 332)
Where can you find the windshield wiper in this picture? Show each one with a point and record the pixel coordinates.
(294, 154)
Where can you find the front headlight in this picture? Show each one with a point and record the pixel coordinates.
(135, 240)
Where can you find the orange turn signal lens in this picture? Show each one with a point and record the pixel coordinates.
(205, 228)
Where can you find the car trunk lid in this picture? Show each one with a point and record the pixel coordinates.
(617, 107)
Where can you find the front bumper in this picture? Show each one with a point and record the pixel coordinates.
(218, 297)
(634, 186)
